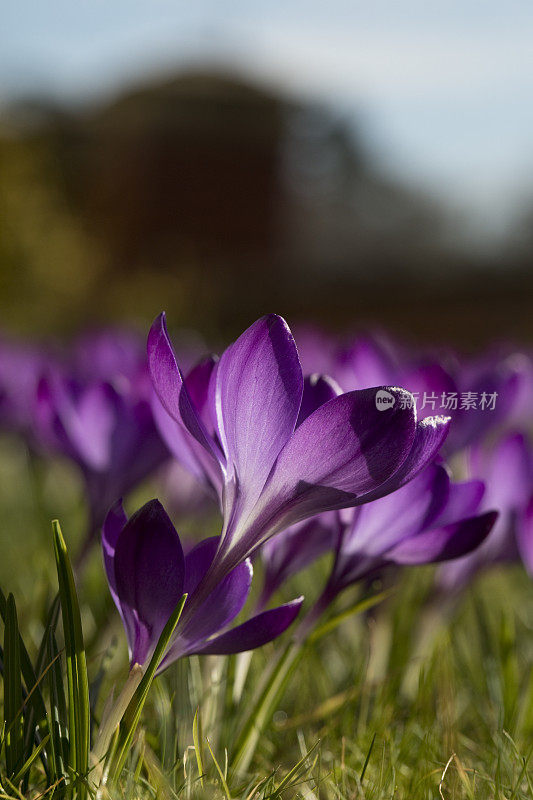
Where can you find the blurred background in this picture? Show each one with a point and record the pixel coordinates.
(354, 164)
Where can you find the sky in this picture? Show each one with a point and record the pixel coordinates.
(443, 88)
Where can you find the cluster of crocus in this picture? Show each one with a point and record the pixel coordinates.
(488, 442)
(96, 410)
(298, 453)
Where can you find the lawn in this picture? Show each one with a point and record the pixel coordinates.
(401, 700)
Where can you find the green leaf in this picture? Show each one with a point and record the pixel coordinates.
(358, 608)
(59, 743)
(35, 729)
(28, 673)
(77, 680)
(14, 732)
(24, 770)
(367, 759)
(133, 712)
(264, 707)
(197, 739)
(221, 774)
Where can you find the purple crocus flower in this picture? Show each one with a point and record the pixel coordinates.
(441, 382)
(430, 519)
(148, 573)
(106, 428)
(273, 459)
(507, 470)
(21, 367)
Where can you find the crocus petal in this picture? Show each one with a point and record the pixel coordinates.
(214, 612)
(428, 382)
(443, 544)
(170, 387)
(345, 450)
(430, 434)
(81, 419)
(114, 522)
(382, 524)
(365, 364)
(178, 441)
(258, 395)
(463, 502)
(89, 423)
(255, 632)
(318, 389)
(292, 550)
(198, 383)
(149, 573)
(228, 598)
(508, 471)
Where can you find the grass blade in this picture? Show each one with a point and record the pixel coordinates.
(362, 605)
(28, 673)
(35, 729)
(367, 759)
(77, 680)
(59, 744)
(294, 772)
(133, 713)
(262, 710)
(14, 732)
(220, 773)
(197, 739)
(24, 770)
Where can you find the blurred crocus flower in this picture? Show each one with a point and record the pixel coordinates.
(273, 457)
(21, 367)
(507, 471)
(148, 573)
(429, 520)
(491, 392)
(105, 426)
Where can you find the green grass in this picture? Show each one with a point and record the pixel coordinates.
(371, 712)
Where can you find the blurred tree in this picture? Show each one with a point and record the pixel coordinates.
(221, 200)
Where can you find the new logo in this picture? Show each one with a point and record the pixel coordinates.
(384, 400)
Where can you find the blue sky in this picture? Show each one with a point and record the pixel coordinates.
(445, 88)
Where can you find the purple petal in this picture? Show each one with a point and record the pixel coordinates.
(114, 522)
(170, 387)
(198, 382)
(228, 598)
(344, 451)
(218, 609)
(507, 470)
(255, 632)
(428, 382)
(365, 364)
(178, 441)
(318, 389)
(82, 419)
(430, 435)
(258, 395)
(443, 544)
(463, 502)
(381, 524)
(292, 550)
(149, 574)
